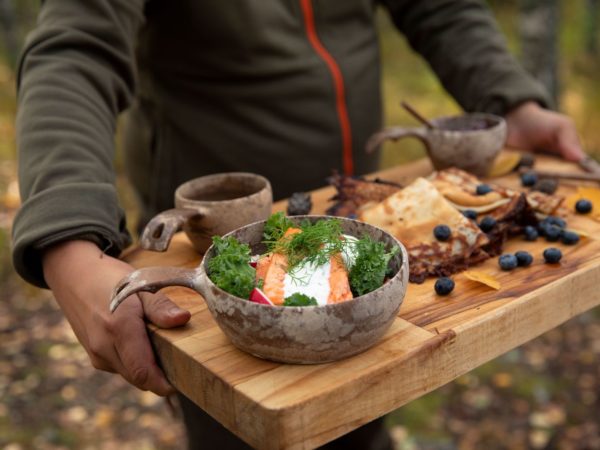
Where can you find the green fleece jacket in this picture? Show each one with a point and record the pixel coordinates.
(285, 88)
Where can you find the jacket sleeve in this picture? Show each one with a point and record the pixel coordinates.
(76, 74)
(463, 45)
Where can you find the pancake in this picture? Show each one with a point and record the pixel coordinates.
(354, 194)
(411, 214)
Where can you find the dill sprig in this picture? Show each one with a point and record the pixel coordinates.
(316, 243)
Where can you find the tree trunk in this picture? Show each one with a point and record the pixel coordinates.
(592, 21)
(539, 31)
(8, 28)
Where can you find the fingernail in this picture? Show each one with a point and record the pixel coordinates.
(174, 311)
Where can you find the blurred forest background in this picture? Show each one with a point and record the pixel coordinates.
(543, 395)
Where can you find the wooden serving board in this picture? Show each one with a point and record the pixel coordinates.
(433, 340)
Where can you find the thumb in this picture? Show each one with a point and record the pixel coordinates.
(162, 312)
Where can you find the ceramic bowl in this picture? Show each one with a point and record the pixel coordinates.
(304, 335)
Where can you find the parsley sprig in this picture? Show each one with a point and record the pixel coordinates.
(230, 268)
(370, 267)
(275, 227)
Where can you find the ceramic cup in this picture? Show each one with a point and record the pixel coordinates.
(469, 142)
(208, 206)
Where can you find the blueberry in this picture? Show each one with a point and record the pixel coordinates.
(583, 206)
(487, 223)
(524, 259)
(442, 232)
(529, 179)
(546, 185)
(444, 285)
(542, 228)
(470, 214)
(553, 220)
(552, 233)
(552, 255)
(569, 237)
(508, 261)
(483, 189)
(531, 234)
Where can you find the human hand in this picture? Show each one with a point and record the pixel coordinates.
(82, 278)
(533, 128)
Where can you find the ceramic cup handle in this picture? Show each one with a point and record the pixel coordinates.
(160, 230)
(152, 279)
(395, 133)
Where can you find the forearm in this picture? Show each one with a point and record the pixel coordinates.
(462, 43)
(76, 74)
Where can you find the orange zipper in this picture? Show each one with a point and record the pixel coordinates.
(338, 81)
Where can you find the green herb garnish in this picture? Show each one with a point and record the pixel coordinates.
(230, 268)
(298, 299)
(275, 227)
(316, 243)
(370, 267)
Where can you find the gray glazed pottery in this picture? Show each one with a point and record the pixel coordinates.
(304, 335)
(208, 206)
(469, 142)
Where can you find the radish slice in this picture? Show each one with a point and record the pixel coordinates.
(254, 260)
(258, 296)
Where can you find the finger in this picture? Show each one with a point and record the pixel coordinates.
(162, 312)
(135, 352)
(568, 144)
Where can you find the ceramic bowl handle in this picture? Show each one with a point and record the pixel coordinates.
(151, 279)
(160, 230)
(395, 133)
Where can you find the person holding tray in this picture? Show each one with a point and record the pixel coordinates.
(287, 89)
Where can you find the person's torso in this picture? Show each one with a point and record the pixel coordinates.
(285, 88)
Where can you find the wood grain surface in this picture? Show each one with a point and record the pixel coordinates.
(433, 340)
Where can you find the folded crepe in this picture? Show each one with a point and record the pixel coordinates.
(411, 214)
(459, 188)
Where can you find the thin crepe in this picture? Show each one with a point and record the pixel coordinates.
(411, 215)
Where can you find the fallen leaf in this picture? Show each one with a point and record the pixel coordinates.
(483, 278)
(581, 233)
(504, 164)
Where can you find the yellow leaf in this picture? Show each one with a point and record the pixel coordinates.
(504, 163)
(482, 277)
(581, 233)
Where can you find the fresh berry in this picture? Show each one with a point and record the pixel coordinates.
(583, 206)
(552, 255)
(529, 179)
(552, 233)
(527, 160)
(524, 259)
(546, 185)
(442, 232)
(444, 285)
(569, 237)
(558, 221)
(487, 223)
(470, 214)
(299, 204)
(483, 189)
(531, 233)
(508, 261)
